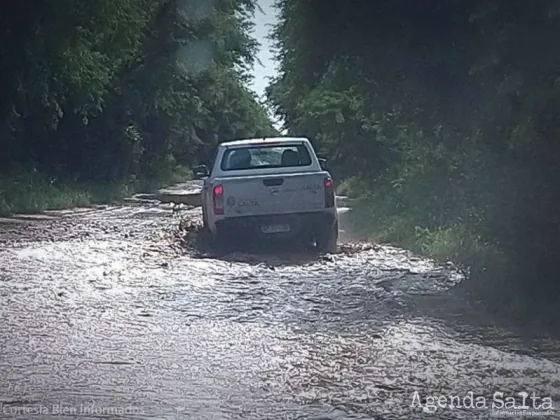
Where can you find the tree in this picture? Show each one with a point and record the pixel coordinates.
(113, 89)
(446, 109)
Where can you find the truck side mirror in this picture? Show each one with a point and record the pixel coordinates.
(201, 171)
(323, 163)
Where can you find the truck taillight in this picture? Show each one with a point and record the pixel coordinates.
(329, 192)
(218, 196)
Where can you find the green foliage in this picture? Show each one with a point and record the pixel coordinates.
(117, 90)
(447, 112)
(29, 191)
(32, 192)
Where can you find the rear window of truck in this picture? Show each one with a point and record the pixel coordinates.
(265, 156)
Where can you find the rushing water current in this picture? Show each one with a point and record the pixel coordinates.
(105, 315)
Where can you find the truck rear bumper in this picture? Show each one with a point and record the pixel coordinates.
(299, 224)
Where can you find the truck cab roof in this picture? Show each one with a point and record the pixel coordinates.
(249, 142)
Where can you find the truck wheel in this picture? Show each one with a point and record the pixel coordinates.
(220, 241)
(327, 239)
(205, 235)
(204, 221)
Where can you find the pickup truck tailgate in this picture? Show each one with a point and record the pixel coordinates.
(273, 194)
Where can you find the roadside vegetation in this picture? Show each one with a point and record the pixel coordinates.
(101, 98)
(443, 118)
(31, 192)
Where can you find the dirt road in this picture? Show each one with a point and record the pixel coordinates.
(108, 313)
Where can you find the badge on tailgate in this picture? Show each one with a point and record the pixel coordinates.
(247, 202)
(242, 202)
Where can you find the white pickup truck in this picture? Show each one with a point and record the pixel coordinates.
(271, 187)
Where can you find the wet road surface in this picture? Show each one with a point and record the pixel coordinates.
(113, 313)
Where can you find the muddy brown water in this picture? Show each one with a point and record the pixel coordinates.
(110, 313)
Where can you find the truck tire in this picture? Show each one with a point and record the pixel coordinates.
(205, 227)
(220, 241)
(327, 239)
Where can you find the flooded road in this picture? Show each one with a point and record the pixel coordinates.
(113, 313)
